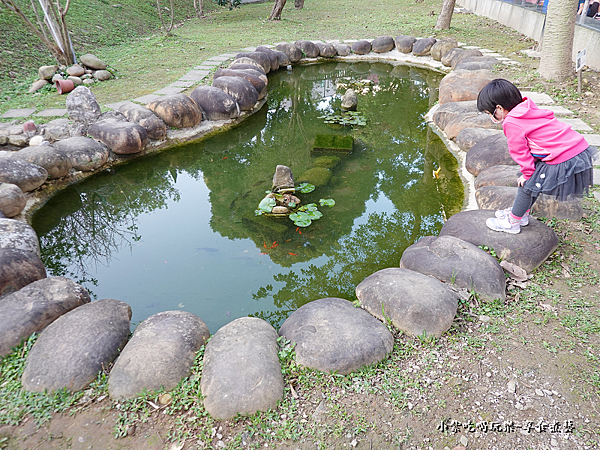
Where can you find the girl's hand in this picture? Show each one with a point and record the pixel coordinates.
(521, 180)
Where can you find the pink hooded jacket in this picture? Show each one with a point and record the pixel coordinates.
(529, 129)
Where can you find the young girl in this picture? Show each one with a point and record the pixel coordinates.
(555, 160)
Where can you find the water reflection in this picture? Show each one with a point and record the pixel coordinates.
(178, 230)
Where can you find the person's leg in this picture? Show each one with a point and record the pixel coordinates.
(522, 204)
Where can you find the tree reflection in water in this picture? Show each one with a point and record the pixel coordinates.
(385, 192)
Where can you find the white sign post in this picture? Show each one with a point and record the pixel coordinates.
(579, 63)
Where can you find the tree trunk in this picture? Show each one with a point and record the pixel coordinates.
(277, 8)
(556, 63)
(298, 4)
(445, 17)
(199, 7)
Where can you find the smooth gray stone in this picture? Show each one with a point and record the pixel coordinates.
(326, 50)
(468, 137)
(215, 103)
(241, 373)
(56, 130)
(457, 124)
(361, 47)
(422, 47)
(383, 44)
(309, 49)
(404, 43)
(92, 62)
(82, 108)
(247, 63)
(501, 175)
(477, 63)
(349, 100)
(257, 82)
(492, 151)
(415, 303)
(342, 49)
(18, 235)
(457, 263)
(74, 348)
(462, 55)
(35, 306)
(123, 138)
(55, 162)
(12, 200)
(25, 175)
(241, 90)
(259, 57)
(448, 111)
(502, 197)
(84, 153)
(283, 177)
(159, 355)
(273, 58)
(178, 111)
(293, 52)
(331, 335)
(528, 249)
(18, 268)
(443, 46)
(283, 59)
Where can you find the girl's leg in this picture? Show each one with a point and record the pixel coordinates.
(523, 203)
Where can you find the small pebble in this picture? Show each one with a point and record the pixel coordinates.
(464, 441)
(485, 319)
(539, 393)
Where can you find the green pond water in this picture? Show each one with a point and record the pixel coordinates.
(177, 230)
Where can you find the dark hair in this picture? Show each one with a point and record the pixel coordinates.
(498, 92)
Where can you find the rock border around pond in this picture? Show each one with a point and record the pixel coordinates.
(315, 328)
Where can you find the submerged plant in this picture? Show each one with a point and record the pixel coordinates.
(349, 118)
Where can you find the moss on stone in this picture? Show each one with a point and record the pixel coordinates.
(319, 176)
(333, 143)
(327, 161)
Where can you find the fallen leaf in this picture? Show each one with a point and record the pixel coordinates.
(517, 273)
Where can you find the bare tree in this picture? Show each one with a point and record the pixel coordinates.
(170, 26)
(276, 11)
(557, 44)
(199, 7)
(445, 17)
(52, 31)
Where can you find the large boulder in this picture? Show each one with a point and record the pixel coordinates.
(283, 178)
(413, 302)
(83, 109)
(342, 49)
(54, 161)
(443, 46)
(215, 103)
(273, 58)
(178, 111)
(84, 153)
(528, 249)
(492, 151)
(241, 373)
(74, 348)
(25, 175)
(501, 175)
(154, 125)
(404, 44)
(472, 120)
(462, 85)
(35, 306)
(309, 49)
(259, 85)
(331, 335)
(326, 50)
(17, 235)
(293, 52)
(382, 44)
(56, 130)
(461, 55)
(361, 47)
(457, 263)
(12, 200)
(260, 57)
(92, 62)
(349, 100)
(422, 47)
(283, 59)
(247, 63)
(241, 90)
(448, 111)
(123, 138)
(159, 355)
(468, 137)
(18, 268)
(477, 63)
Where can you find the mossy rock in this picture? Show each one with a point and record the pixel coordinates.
(327, 161)
(319, 176)
(333, 143)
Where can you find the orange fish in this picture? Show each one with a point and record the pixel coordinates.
(225, 157)
(293, 254)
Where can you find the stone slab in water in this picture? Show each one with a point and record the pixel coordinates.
(457, 263)
(528, 249)
(242, 374)
(35, 306)
(18, 268)
(415, 303)
(18, 235)
(331, 335)
(74, 348)
(468, 137)
(159, 355)
(319, 176)
(333, 143)
(491, 151)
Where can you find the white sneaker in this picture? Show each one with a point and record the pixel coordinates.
(502, 213)
(503, 225)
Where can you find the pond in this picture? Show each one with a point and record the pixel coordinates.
(178, 230)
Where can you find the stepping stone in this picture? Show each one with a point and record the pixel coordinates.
(194, 75)
(502, 197)
(501, 175)
(457, 263)
(35, 306)
(331, 335)
(16, 113)
(18, 268)
(593, 139)
(169, 91)
(74, 348)
(413, 302)
(220, 58)
(116, 106)
(528, 249)
(159, 355)
(232, 55)
(145, 99)
(204, 69)
(558, 110)
(472, 47)
(213, 63)
(538, 98)
(55, 112)
(241, 373)
(17, 235)
(576, 124)
(183, 84)
(249, 49)
(491, 151)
